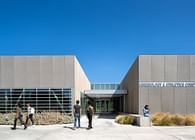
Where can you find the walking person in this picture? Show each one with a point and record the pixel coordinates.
(77, 114)
(90, 112)
(19, 116)
(30, 111)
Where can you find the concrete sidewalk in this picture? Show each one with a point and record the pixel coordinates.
(104, 129)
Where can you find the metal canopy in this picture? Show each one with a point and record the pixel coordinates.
(104, 93)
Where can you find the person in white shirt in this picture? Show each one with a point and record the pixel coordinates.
(31, 112)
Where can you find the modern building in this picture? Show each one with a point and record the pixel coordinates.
(105, 97)
(165, 82)
(54, 83)
(49, 83)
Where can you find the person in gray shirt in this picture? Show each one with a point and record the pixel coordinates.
(77, 114)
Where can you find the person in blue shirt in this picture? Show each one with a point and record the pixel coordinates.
(146, 111)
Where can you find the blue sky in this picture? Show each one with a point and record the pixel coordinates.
(105, 35)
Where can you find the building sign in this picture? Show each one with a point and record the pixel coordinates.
(167, 84)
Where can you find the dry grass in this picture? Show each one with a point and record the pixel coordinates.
(178, 120)
(124, 119)
(190, 120)
(167, 119)
(7, 119)
(44, 118)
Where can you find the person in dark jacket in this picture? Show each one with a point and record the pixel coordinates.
(19, 116)
(90, 112)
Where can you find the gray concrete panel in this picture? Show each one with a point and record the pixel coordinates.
(168, 100)
(192, 68)
(180, 100)
(131, 101)
(20, 72)
(157, 68)
(183, 62)
(33, 70)
(190, 101)
(58, 71)
(130, 83)
(7, 72)
(170, 68)
(145, 68)
(69, 71)
(46, 66)
(143, 98)
(155, 99)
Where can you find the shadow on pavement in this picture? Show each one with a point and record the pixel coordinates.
(73, 128)
(106, 115)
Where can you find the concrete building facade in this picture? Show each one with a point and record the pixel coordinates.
(41, 73)
(165, 82)
(54, 83)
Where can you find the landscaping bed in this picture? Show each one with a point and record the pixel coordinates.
(161, 119)
(44, 118)
(168, 119)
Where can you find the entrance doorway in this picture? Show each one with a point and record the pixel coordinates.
(107, 105)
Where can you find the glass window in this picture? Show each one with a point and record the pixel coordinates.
(41, 99)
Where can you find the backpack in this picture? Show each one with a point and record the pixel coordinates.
(90, 110)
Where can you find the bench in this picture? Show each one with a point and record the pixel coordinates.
(141, 121)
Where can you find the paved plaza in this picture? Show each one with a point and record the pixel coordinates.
(104, 129)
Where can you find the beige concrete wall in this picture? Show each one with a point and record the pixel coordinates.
(69, 71)
(170, 62)
(145, 68)
(7, 75)
(157, 67)
(46, 72)
(130, 83)
(81, 81)
(37, 72)
(180, 100)
(33, 70)
(167, 68)
(43, 72)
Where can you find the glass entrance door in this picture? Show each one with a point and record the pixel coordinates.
(104, 105)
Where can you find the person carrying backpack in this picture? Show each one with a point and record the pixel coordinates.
(90, 112)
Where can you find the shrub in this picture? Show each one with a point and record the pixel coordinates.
(190, 120)
(124, 119)
(167, 119)
(47, 118)
(44, 118)
(177, 119)
(7, 119)
(162, 119)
